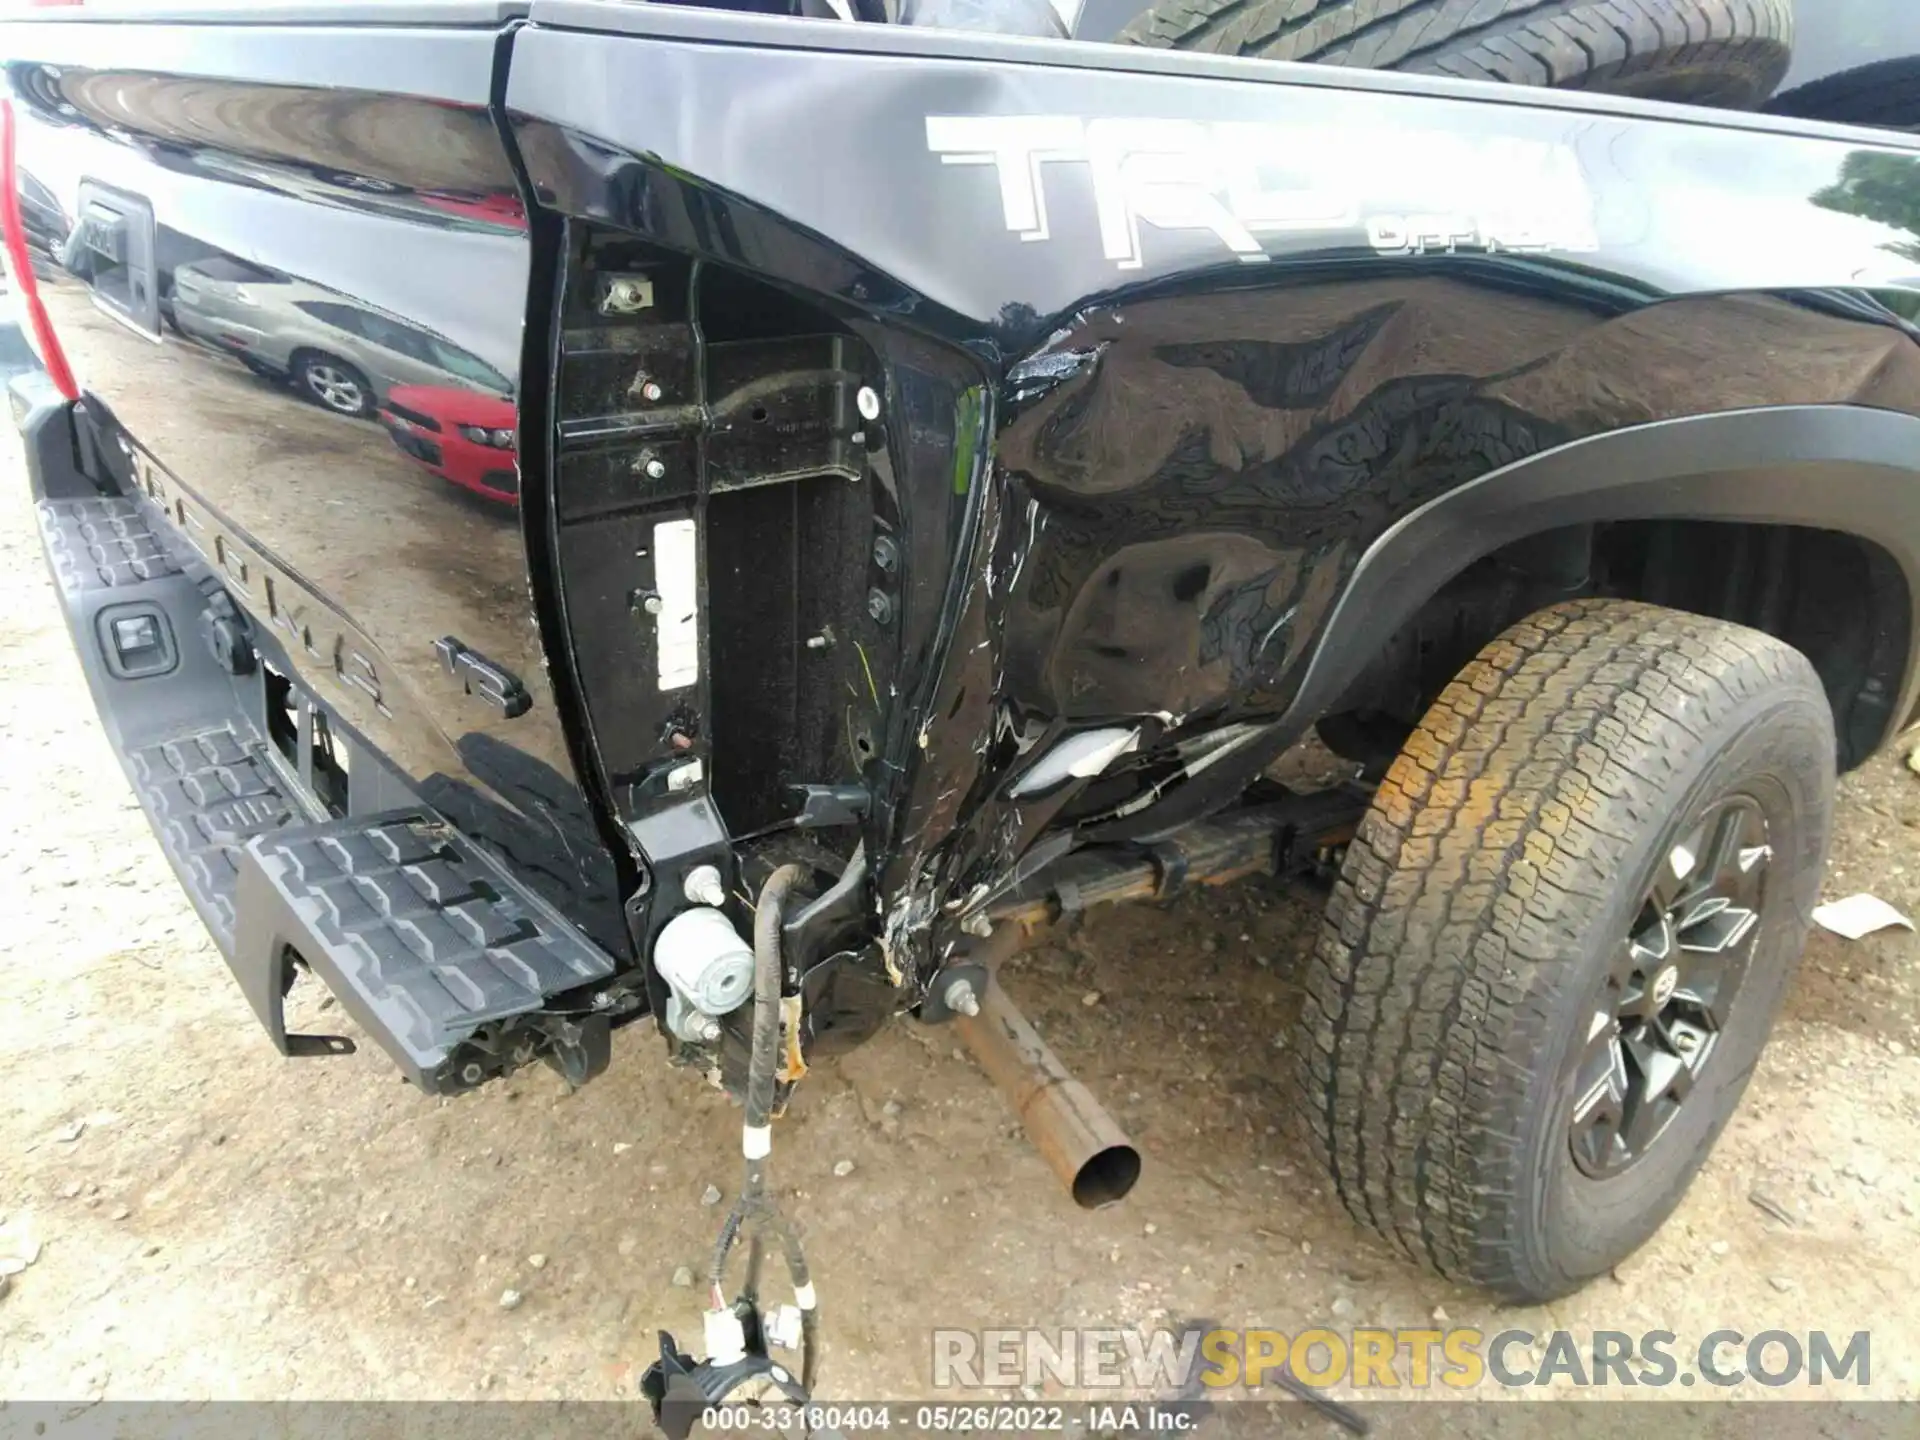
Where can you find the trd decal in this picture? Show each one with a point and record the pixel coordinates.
(1240, 180)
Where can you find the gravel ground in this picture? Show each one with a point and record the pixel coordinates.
(219, 1223)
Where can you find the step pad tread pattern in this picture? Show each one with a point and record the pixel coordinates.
(103, 544)
(209, 793)
(436, 940)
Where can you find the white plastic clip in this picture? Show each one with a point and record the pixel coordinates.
(783, 1326)
(726, 1337)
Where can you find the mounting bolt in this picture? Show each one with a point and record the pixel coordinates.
(886, 554)
(704, 887)
(602, 1000)
(707, 1029)
(867, 401)
(651, 603)
(959, 998)
(471, 1072)
(1685, 1040)
(879, 606)
(977, 924)
(649, 464)
(626, 293)
(822, 641)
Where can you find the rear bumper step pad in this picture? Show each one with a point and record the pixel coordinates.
(428, 942)
(208, 793)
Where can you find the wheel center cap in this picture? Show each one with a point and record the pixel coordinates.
(1664, 984)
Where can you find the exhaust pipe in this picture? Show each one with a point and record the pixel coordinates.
(1071, 1130)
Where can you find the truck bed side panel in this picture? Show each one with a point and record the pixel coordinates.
(1237, 321)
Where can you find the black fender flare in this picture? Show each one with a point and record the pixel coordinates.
(1844, 468)
(1829, 467)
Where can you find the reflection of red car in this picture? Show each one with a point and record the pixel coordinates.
(461, 435)
(503, 212)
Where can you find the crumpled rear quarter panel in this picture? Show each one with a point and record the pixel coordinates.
(1228, 322)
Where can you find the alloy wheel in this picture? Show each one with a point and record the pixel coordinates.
(1675, 976)
(336, 389)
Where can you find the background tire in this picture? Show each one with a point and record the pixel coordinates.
(1729, 53)
(1490, 892)
(1886, 94)
(333, 384)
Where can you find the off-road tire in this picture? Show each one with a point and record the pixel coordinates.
(1479, 906)
(1886, 94)
(1729, 53)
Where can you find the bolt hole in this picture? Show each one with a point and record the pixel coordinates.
(759, 412)
(864, 745)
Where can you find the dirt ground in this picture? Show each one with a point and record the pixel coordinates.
(219, 1223)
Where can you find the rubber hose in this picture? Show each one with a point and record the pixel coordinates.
(769, 915)
(729, 1232)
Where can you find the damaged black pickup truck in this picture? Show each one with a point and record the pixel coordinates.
(585, 517)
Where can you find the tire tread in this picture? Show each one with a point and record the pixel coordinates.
(1571, 43)
(1488, 851)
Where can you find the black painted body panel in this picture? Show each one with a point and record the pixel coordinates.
(1212, 386)
(1166, 351)
(325, 196)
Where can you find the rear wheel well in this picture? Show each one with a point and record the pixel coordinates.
(1839, 599)
(303, 353)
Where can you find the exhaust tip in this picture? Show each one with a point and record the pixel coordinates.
(1106, 1177)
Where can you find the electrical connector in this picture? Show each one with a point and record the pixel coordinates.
(781, 1326)
(726, 1337)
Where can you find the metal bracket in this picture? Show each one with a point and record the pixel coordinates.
(824, 806)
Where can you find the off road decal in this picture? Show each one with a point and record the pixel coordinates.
(1241, 180)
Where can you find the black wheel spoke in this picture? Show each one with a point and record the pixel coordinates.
(1641, 958)
(1676, 869)
(1660, 1080)
(1600, 1060)
(1599, 1106)
(1697, 995)
(1724, 826)
(1719, 928)
(1739, 853)
(1670, 1072)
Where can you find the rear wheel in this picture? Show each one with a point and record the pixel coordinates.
(1885, 94)
(331, 382)
(1730, 53)
(1560, 937)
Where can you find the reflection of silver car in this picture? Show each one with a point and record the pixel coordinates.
(338, 354)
